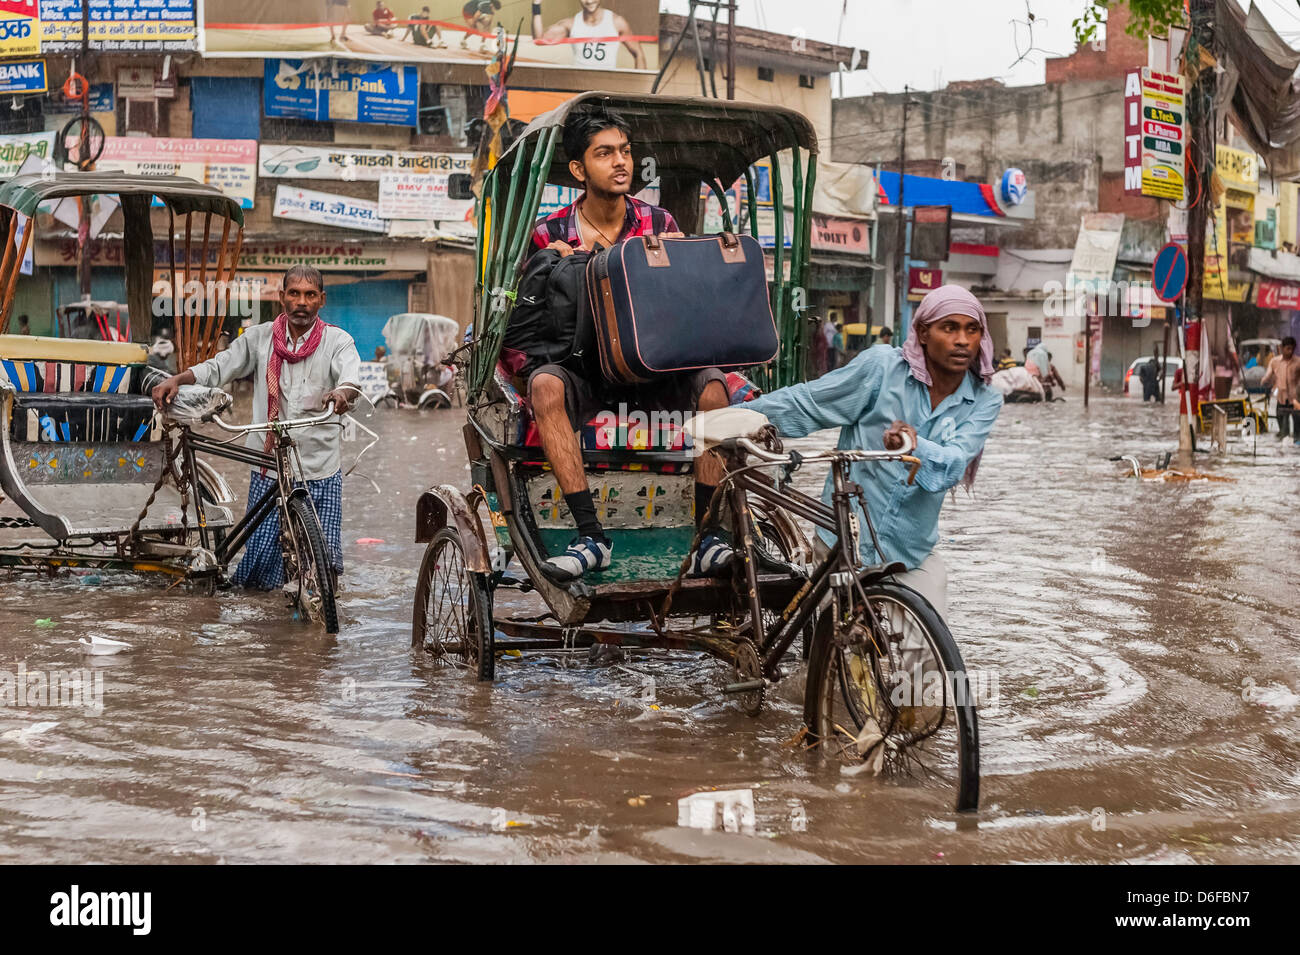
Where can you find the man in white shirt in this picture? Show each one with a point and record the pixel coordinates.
(299, 365)
(598, 28)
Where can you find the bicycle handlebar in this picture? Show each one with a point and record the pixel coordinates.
(322, 418)
(900, 454)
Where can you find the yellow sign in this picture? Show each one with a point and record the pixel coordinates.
(1163, 135)
(20, 28)
(1237, 168)
(1217, 284)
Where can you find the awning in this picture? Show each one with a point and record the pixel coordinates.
(835, 274)
(1275, 265)
(845, 190)
(967, 198)
(1257, 81)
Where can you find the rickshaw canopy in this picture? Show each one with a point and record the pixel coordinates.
(197, 329)
(24, 193)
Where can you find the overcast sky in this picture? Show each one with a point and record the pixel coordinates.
(927, 43)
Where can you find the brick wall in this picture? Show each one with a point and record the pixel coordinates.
(1111, 197)
(1122, 53)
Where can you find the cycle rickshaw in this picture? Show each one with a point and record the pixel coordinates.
(870, 642)
(84, 455)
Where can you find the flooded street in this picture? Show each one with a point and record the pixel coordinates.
(1142, 639)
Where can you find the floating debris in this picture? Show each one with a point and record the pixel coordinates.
(98, 646)
(729, 810)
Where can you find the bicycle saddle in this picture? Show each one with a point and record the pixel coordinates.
(710, 428)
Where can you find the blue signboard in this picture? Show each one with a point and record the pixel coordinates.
(101, 100)
(22, 76)
(356, 93)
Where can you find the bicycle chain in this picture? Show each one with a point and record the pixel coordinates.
(166, 472)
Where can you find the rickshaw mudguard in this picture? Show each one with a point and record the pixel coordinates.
(11, 483)
(442, 506)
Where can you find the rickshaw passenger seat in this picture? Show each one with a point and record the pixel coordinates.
(655, 434)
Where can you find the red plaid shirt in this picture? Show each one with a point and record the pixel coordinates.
(641, 218)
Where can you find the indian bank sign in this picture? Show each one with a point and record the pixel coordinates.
(841, 235)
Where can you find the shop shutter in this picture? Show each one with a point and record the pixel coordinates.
(226, 107)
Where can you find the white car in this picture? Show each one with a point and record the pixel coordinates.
(1133, 384)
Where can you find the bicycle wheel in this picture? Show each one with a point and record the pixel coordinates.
(453, 608)
(307, 565)
(895, 701)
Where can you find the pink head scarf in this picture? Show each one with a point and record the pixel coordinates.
(943, 301)
(947, 300)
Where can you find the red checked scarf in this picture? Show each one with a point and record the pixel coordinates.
(280, 352)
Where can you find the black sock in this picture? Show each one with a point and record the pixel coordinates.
(583, 509)
(703, 495)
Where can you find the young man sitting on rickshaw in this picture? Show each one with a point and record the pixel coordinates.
(600, 157)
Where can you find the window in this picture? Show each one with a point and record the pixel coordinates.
(806, 81)
(435, 118)
(766, 74)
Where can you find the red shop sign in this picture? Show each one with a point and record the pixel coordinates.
(1273, 294)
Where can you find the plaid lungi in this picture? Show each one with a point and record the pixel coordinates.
(262, 567)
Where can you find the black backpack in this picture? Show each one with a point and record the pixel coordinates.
(551, 322)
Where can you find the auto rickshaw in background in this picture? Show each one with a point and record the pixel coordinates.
(419, 373)
(1255, 354)
(94, 321)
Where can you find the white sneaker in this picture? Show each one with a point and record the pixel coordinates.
(582, 555)
(712, 557)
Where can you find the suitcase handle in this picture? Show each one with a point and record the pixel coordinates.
(733, 253)
(656, 254)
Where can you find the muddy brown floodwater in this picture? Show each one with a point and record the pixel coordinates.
(1143, 639)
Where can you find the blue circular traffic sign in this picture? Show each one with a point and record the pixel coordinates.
(1169, 273)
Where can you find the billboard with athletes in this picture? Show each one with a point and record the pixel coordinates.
(585, 34)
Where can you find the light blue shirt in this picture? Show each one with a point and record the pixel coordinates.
(864, 398)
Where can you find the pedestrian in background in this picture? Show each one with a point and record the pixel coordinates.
(828, 336)
(1149, 375)
(1284, 376)
(24, 328)
(837, 346)
(819, 347)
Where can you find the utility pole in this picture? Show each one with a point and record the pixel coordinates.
(83, 147)
(731, 50)
(900, 251)
(1201, 125)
